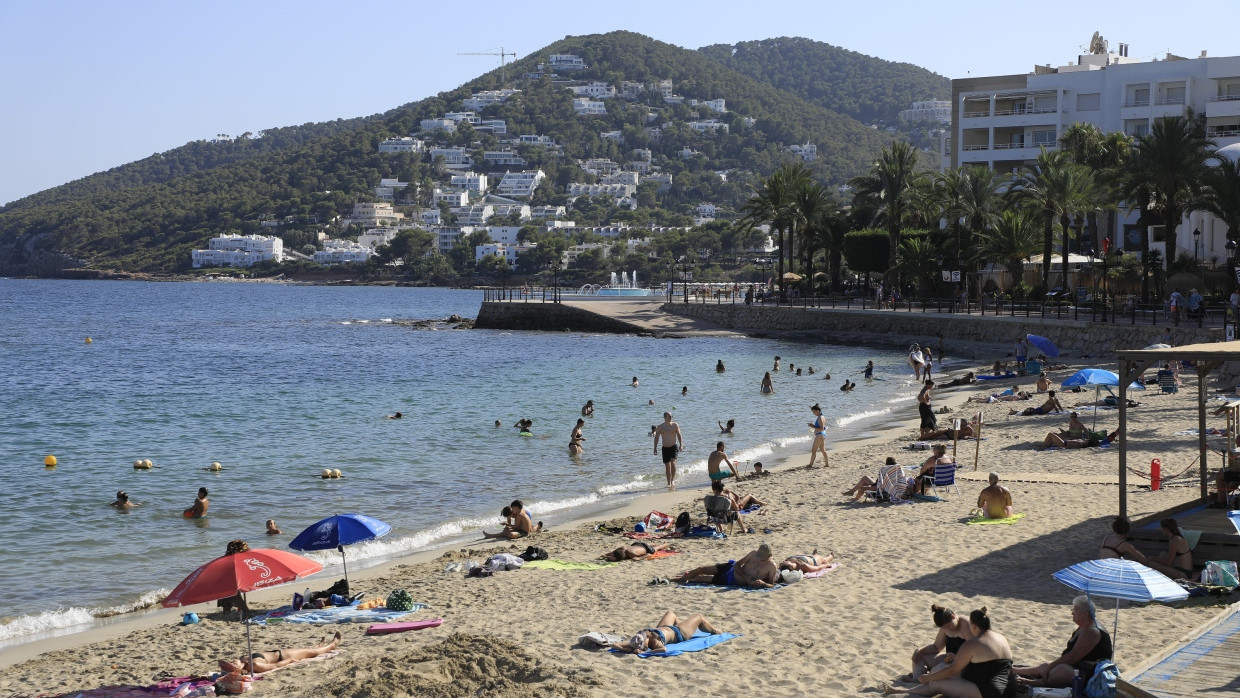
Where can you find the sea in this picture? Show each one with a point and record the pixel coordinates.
(277, 382)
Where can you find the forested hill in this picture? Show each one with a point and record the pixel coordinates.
(866, 88)
(148, 215)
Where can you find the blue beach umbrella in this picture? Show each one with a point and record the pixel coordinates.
(1096, 377)
(1234, 516)
(1121, 579)
(1043, 345)
(338, 531)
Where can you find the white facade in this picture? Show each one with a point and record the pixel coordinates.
(664, 179)
(807, 152)
(509, 252)
(930, 110)
(430, 216)
(718, 106)
(599, 166)
(619, 177)
(341, 251)
(371, 215)
(454, 158)
(506, 234)
(631, 90)
(388, 187)
(484, 99)
(470, 180)
(617, 190)
(708, 126)
(438, 125)
(401, 145)
(503, 158)
(565, 61)
(451, 197)
(584, 106)
(1002, 122)
(472, 215)
(706, 210)
(238, 251)
(375, 237)
(457, 117)
(616, 136)
(496, 126)
(520, 184)
(535, 139)
(543, 212)
(597, 90)
(571, 254)
(521, 211)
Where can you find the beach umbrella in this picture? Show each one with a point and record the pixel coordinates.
(338, 531)
(240, 573)
(792, 276)
(1043, 345)
(1234, 517)
(1121, 579)
(1160, 345)
(1098, 378)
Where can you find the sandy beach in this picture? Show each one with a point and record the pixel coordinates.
(515, 634)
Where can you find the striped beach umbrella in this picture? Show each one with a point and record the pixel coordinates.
(1120, 579)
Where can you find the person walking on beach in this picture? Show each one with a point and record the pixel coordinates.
(669, 434)
(1022, 353)
(199, 509)
(819, 425)
(928, 420)
(917, 361)
(925, 370)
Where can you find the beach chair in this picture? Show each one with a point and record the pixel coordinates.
(892, 485)
(719, 512)
(1166, 381)
(1033, 368)
(944, 476)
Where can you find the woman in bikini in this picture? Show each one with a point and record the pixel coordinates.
(671, 629)
(633, 551)
(982, 667)
(819, 425)
(1177, 562)
(261, 662)
(767, 386)
(808, 563)
(953, 633)
(928, 421)
(1117, 544)
(575, 439)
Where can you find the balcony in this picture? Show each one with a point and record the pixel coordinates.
(975, 146)
(1226, 98)
(1223, 131)
(1168, 101)
(976, 114)
(1223, 106)
(1137, 103)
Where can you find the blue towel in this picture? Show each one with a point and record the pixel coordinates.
(927, 497)
(700, 641)
(331, 615)
(752, 509)
(704, 532)
(720, 587)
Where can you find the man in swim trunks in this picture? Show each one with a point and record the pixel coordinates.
(669, 433)
(754, 570)
(521, 525)
(1051, 405)
(717, 458)
(995, 500)
(199, 509)
(1022, 353)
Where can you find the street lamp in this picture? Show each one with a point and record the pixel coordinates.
(684, 264)
(1106, 247)
(555, 280)
(1196, 245)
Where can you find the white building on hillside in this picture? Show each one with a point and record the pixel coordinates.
(453, 158)
(520, 184)
(472, 215)
(930, 110)
(438, 125)
(457, 117)
(376, 237)
(430, 216)
(584, 106)
(510, 253)
(521, 211)
(544, 212)
(535, 139)
(506, 234)
(807, 152)
(570, 255)
(470, 180)
(401, 145)
(238, 251)
(1003, 121)
(503, 158)
(716, 105)
(371, 215)
(482, 100)
(497, 126)
(565, 61)
(617, 190)
(599, 166)
(388, 187)
(708, 126)
(451, 197)
(619, 177)
(597, 90)
(341, 251)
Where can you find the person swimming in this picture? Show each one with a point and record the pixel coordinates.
(719, 367)
(398, 415)
(848, 385)
(122, 501)
(272, 529)
(869, 370)
(726, 429)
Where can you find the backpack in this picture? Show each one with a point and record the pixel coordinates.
(1102, 683)
(683, 521)
(533, 553)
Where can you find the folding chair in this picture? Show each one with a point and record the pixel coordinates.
(944, 476)
(719, 512)
(1166, 381)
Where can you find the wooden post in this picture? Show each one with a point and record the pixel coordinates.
(955, 436)
(978, 450)
(1125, 372)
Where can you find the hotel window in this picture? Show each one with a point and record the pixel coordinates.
(1088, 102)
(1044, 138)
(1174, 95)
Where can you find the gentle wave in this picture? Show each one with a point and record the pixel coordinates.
(71, 617)
(849, 419)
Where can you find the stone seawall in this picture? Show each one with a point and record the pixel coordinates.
(552, 317)
(889, 327)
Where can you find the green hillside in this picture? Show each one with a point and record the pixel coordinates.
(866, 88)
(147, 215)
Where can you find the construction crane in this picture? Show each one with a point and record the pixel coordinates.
(502, 55)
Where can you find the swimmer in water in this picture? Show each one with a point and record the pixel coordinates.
(398, 415)
(776, 369)
(848, 385)
(869, 370)
(587, 409)
(726, 429)
(719, 367)
(634, 383)
(810, 371)
(122, 501)
(497, 424)
(798, 370)
(684, 390)
(767, 386)
(199, 509)
(272, 529)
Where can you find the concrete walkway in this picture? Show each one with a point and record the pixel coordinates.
(646, 314)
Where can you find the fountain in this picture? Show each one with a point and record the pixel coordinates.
(624, 285)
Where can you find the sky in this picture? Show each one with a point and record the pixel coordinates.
(90, 85)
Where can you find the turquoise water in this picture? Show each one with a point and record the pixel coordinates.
(277, 382)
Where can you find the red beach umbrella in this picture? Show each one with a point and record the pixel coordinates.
(238, 573)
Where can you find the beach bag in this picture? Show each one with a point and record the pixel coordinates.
(234, 683)
(1102, 683)
(657, 521)
(534, 553)
(683, 521)
(1220, 573)
(399, 600)
(504, 561)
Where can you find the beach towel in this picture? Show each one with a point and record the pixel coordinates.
(819, 573)
(183, 686)
(983, 521)
(751, 510)
(720, 587)
(700, 641)
(704, 532)
(660, 554)
(563, 565)
(331, 615)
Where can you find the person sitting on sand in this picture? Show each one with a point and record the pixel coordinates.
(1117, 545)
(938, 456)
(1051, 405)
(272, 529)
(755, 570)
(634, 551)
(669, 630)
(739, 503)
(757, 469)
(1044, 383)
(521, 525)
(261, 662)
(866, 486)
(1000, 368)
(995, 500)
(808, 564)
(122, 501)
(587, 409)
(398, 415)
(953, 632)
(234, 547)
(1088, 645)
(1177, 561)
(965, 432)
(982, 667)
(717, 458)
(726, 429)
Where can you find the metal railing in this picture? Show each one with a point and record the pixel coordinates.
(524, 294)
(1225, 98)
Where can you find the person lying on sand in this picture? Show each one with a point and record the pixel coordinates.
(670, 629)
(635, 551)
(808, 563)
(966, 379)
(520, 524)
(261, 662)
(1013, 396)
(1051, 405)
(965, 432)
(1088, 440)
(754, 570)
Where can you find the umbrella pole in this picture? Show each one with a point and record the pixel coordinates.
(344, 561)
(249, 648)
(1097, 393)
(1115, 628)
(977, 449)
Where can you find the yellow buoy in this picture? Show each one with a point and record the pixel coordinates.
(336, 473)
(327, 472)
(50, 461)
(216, 467)
(89, 340)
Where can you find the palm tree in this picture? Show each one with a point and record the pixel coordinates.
(772, 203)
(980, 203)
(886, 190)
(918, 260)
(1220, 195)
(1174, 158)
(1058, 188)
(813, 211)
(1014, 238)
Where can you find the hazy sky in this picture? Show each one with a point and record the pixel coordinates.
(90, 85)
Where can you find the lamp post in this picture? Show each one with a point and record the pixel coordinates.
(1106, 247)
(684, 264)
(763, 263)
(1196, 247)
(555, 280)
